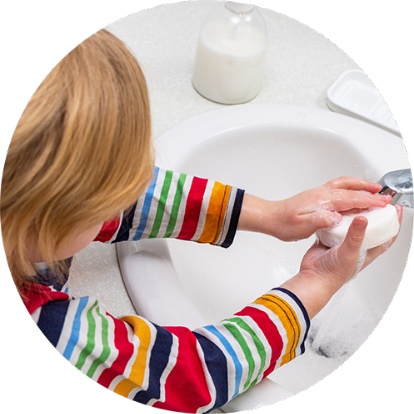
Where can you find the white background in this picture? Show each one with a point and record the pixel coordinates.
(35, 35)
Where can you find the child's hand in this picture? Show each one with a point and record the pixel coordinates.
(324, 271)
(300, 216)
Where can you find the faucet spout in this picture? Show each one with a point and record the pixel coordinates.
(399, 184)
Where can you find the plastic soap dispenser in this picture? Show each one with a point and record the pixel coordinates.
(230, 54)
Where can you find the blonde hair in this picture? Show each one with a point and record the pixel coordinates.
(81, 152)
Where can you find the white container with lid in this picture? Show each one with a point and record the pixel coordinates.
(230, 54)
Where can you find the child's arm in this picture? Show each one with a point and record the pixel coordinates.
(191, 371)
(183, 207)
(192, 208)
(299, 217)
(173, 368)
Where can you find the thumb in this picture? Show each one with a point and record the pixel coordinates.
(355, 236)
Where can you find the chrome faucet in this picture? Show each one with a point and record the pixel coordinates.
(399, 184)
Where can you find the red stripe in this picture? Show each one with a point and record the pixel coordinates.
(187, 377)
(193, 208)
(269, 330)
(35, 295)
(108, 229)
(126, 350)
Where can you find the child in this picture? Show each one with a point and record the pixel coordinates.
(80, 168)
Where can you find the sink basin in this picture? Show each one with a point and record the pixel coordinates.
(273, 151)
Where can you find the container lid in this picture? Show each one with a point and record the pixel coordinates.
(239, 8)
(354, 94)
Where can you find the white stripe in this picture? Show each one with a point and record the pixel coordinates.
(36, 314)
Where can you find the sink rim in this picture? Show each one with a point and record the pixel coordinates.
(173, 146)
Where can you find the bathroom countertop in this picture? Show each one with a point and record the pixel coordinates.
(300, 66)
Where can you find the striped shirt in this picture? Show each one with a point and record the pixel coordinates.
(173, 368)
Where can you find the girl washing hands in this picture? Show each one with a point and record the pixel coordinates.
(80, 169)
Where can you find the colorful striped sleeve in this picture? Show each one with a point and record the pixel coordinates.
(175, 368)
(180, 206)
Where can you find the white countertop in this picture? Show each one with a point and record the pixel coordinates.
(300, 66)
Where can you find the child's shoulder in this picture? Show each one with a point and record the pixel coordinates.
(36, 295)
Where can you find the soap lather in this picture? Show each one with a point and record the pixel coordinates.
(230, 54)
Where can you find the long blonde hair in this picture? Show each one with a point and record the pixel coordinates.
(81, 151)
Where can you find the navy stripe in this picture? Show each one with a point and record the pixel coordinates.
(126, 225)
(160, 355)
(217, 366)
(234, 221)
(51, 320)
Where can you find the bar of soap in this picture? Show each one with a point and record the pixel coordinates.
(383, 225)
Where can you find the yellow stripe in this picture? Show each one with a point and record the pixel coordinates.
(289, 320)
(137, 375)
(215, 213)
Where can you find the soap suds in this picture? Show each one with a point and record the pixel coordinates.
(343, 325)
(321, 212)
(339, 329)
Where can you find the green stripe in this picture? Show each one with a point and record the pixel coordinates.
(246, 350)
(161, 205)
(176, 205)
(261, 350)
(90, 344)
(106, 350)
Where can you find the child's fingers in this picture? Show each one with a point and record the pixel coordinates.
(352, 183)
(345, 200)
(324, 218)
(352, 243)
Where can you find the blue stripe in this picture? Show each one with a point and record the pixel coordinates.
(147, 206)
(76, 326)
(232, 353)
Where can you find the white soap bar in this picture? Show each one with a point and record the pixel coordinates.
(383, 225)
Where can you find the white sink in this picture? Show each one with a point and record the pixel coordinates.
(272, 151)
